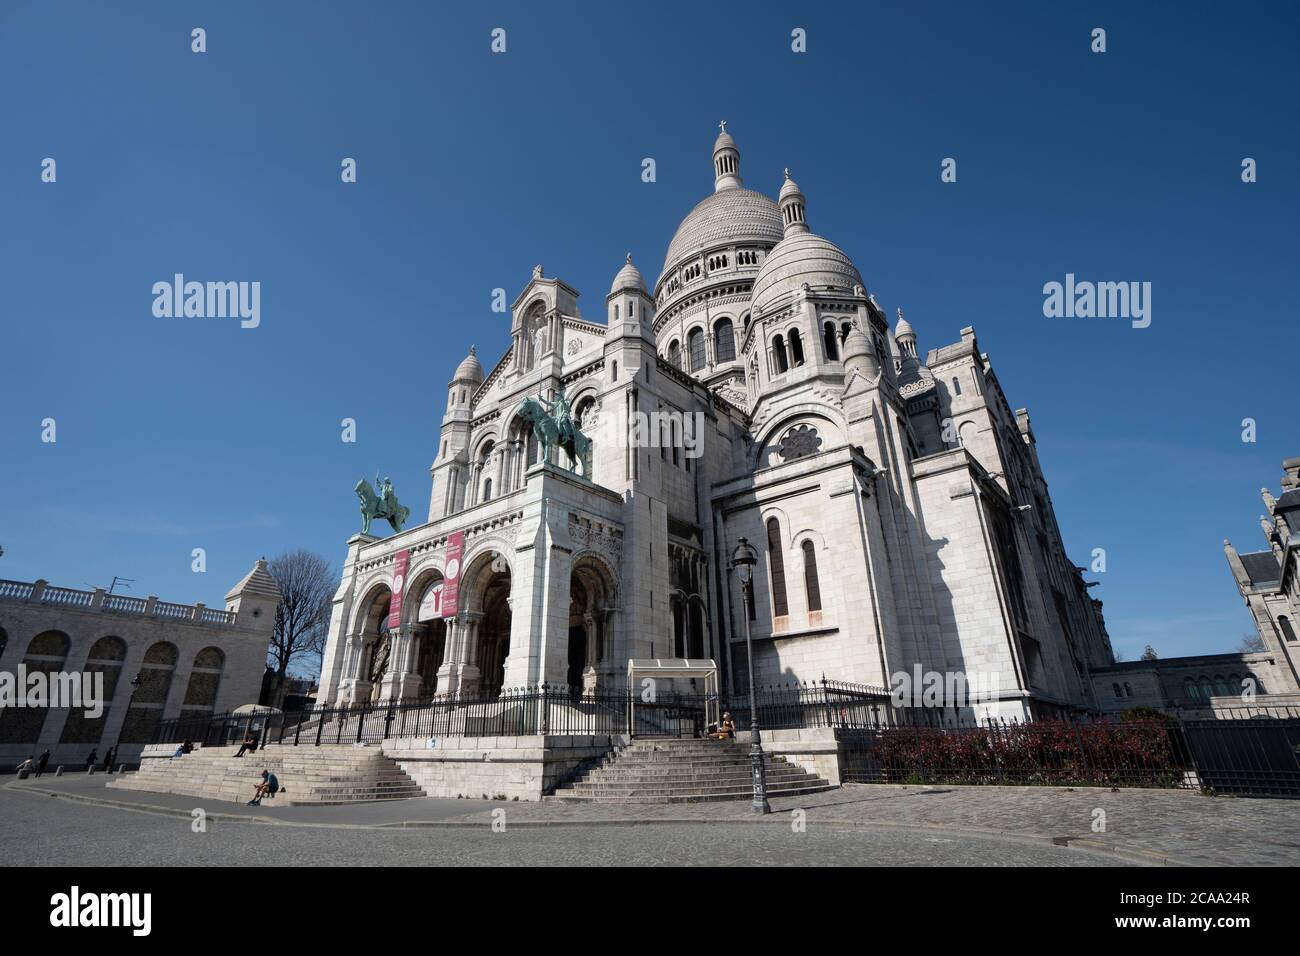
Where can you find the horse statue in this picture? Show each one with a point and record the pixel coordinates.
(380, 502)
(552, 423)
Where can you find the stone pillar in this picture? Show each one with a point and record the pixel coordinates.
(457, 675)
(399, 682)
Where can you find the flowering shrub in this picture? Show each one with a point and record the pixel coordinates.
(1133, 753)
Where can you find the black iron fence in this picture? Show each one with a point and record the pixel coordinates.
(1253, 757)
(546, 709)
(878, 743)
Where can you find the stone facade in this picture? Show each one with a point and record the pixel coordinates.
(191, 660)
(898, 505)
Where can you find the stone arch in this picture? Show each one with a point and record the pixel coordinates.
(428, 628)
(205, 682)
(47, 652)
(486, 601)
(369, 641)
(106, 657)
(150, 697)
(593, 591)
(829, 430)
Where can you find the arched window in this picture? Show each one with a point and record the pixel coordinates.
(956, 386)
(1190, 690)
(487, 489)
(810, 582)
(780, 364)
(1115, 688)
(151, 696)
(796, 348)
(776, 564)
(1128, 691)
(744, 321)
(675, 354)
(1207, 689)
(724, 341)
(695, 347)
(845, 328)
(1221, 686)
(1288, 631)
(828, 338)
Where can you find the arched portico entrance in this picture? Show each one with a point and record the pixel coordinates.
(591, 605)
(478, 637)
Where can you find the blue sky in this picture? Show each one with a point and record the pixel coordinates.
(472, 167)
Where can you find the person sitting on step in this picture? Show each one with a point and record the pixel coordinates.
(725, 730)
(269, 786)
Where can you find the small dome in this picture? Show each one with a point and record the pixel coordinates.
(628, 276)
(790, 188)
(724, 141)
(799, 258)
(903, 328)
(469, 369)
(856, 343)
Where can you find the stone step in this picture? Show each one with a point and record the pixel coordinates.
(722, 786)
(690, 779)
(567, 796)
(306, 775)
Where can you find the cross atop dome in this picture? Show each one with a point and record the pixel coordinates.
(723, 125)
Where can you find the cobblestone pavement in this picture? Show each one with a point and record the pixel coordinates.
(1177, 826)
(36, 831)
(1140, 825)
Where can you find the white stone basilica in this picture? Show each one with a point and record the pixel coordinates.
(896, 502)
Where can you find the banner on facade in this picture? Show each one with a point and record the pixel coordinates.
(401, 562)
(431, 605)
(451, 574)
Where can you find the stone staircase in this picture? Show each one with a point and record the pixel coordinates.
(328, 774)
(684, 771)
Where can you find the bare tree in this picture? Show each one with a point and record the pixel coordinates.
(1252, 643)
(307, 584)
(1149, 654)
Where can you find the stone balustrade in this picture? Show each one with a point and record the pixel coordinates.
(41, 592)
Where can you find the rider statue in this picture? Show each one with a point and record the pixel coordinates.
(387, 497)
(561, 411)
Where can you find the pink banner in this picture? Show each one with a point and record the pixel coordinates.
(451, 574)
(400, 563)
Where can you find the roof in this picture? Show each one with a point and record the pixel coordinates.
(799, 258)
(732, 215)
(1261, 567)
(257, 581)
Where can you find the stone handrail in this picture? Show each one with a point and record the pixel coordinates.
(40, 592)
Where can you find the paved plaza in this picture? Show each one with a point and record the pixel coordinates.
(61, 820)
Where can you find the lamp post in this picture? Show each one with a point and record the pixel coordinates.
(135, 686)
(743, 560)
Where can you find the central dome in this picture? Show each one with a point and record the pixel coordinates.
(731, 215)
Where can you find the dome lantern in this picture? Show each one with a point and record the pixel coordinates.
(792, 203)
(726, 161)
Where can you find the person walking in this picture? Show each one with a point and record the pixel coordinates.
(43, 761)
(109, 758)
(90, 761)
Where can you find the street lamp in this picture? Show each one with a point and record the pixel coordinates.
(743, 560)
(135, 686)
